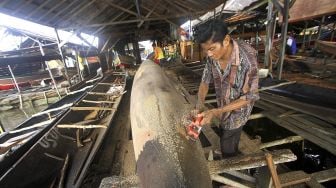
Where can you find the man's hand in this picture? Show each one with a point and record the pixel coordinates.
(208, 116)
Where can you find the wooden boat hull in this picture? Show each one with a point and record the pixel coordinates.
(164, 156)
(63, 154)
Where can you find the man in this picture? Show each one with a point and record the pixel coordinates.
(158, 54)
(232, 67)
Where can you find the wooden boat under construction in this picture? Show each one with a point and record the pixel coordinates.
(64, 148)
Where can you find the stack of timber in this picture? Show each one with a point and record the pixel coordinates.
(312, 122)
(326, 46)
(61, 155)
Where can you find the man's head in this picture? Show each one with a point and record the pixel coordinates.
(214, 39)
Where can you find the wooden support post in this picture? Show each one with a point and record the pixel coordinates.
(77, 65)
(284, 27)
(304, 36)
(272, 168)
(62, 56)
(268, 45)
(333, 32)
(50, 73)
(17, 86)
(78, 108)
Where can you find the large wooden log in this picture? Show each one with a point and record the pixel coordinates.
(164, 157)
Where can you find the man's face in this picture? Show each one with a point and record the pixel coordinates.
(215, 50)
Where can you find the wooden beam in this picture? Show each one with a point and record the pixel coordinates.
(137, 20)
(37, 9)
(308, 9)
(148, 14)
(76, 13)
(293, 178)
(176, 6)
(121, 8)
(80, 108)
(75, 126)
(168, 21)
(287, 140)
(113, 19)
(78, 8)
(249, 161)
(61, 11)
(21, 5)
(98, 102)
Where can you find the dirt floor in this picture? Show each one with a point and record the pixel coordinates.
(116, 155)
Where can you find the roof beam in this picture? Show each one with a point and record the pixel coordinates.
(79, 6)
(76, 13)
(139, 20)
(137, 7)
(168, 21)
(148, 14)
(122, 8)
(20, 6)
(181, 3)
(113, 19)
(176, 6)
(37, 9)
(63, 10)
(92, 16)
(50, 10)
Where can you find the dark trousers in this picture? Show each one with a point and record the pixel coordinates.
(229, 142)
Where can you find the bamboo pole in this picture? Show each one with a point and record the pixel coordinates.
(98, 102)
(227, 181)
(287, 140)
(78, 108)
(272, 168)
(76, 126)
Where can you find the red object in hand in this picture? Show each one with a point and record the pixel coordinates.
(194, 128)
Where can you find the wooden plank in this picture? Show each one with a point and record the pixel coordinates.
(249, 161)
(302, 131)
(228, 181)
(324, 113)
(324, 176)
(293, 178)
(98, 102)
(77, 108)
(287, 140)
(308, 9)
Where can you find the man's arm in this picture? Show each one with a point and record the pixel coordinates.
(202, 92)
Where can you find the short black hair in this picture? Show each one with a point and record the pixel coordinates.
(214, 30)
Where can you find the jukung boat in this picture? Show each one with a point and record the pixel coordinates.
(62, 155)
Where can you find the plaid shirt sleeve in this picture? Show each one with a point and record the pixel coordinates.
(250, 86)
(207, 76)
